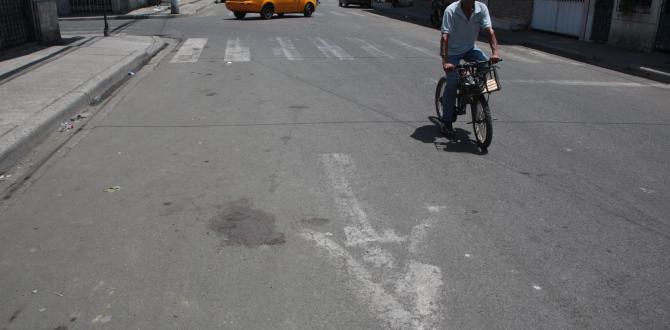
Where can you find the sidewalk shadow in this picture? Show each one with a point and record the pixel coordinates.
(415, 14)
(33, 47)
(459, 141)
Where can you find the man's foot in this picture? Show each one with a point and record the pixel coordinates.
(446, 128)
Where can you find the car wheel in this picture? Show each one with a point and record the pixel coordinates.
(309, 9)
(240, 15)
(267, 11)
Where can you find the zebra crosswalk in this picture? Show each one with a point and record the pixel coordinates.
(244, 49)
(297, 49)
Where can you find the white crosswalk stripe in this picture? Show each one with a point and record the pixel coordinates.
(235, 52)
(287, 49)
(370, 48)
(422, 50)
(190, 51)
(329, 50)
(356, 14)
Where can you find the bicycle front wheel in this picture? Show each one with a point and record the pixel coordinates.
(481, 122)
(439, 92)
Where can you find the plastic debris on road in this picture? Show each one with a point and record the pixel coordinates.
(113, 189)
(130, 73)
(66, 126)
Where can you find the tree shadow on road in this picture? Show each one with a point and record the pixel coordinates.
(459, 141)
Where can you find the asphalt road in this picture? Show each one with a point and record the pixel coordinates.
(283, 174)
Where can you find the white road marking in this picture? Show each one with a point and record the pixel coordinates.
(358, 229)
(518, 58)
(356, 14)
(417, 236)
(374, 294)
(337, 14)
(422, 284)
(190, 51)
(235, 52)
(330, 50)
(435, 208)
(552, 58)
(647, 191)
(536, 287)
(418, 285)
(317, 14)
(422, 50)
(371, 49)
(287, 49)
(586, 83)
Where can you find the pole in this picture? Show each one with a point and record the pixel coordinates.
(174, 6)
(104, 11)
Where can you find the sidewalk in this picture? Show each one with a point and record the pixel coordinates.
(655, 65)
(186, 8)
(54, 84)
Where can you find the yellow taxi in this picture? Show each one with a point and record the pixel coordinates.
(267, 8)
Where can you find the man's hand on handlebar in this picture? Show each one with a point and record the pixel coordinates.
(495, 58)
(448, 66)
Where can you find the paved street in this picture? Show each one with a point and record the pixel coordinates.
(283, 174)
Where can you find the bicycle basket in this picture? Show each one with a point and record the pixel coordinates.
(491, 83)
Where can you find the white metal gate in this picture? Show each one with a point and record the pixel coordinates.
(560, 16)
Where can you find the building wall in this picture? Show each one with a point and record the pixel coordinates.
(518, 9)
(635, 30)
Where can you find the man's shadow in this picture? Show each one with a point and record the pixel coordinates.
(458, 141)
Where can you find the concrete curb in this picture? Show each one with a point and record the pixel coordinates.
(20, 140)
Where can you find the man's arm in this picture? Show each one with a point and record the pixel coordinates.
(444, 53)
(493, 42)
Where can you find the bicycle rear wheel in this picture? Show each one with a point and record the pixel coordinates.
(481, 122)
(439, 92)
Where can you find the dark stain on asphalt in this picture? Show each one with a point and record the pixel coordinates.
(14, 315)
(167, 203)
(61, 327)
(315, 221)
(285, 138)
(299, 107)
(240, 224)
(211, 93)
(209, 74)
(73, 319)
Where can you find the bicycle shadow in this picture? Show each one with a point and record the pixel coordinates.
(459, 141)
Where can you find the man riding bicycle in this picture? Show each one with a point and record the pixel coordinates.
(461, 23)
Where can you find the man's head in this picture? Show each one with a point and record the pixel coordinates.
(468, 3)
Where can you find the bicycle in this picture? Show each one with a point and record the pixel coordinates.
(476, 81)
